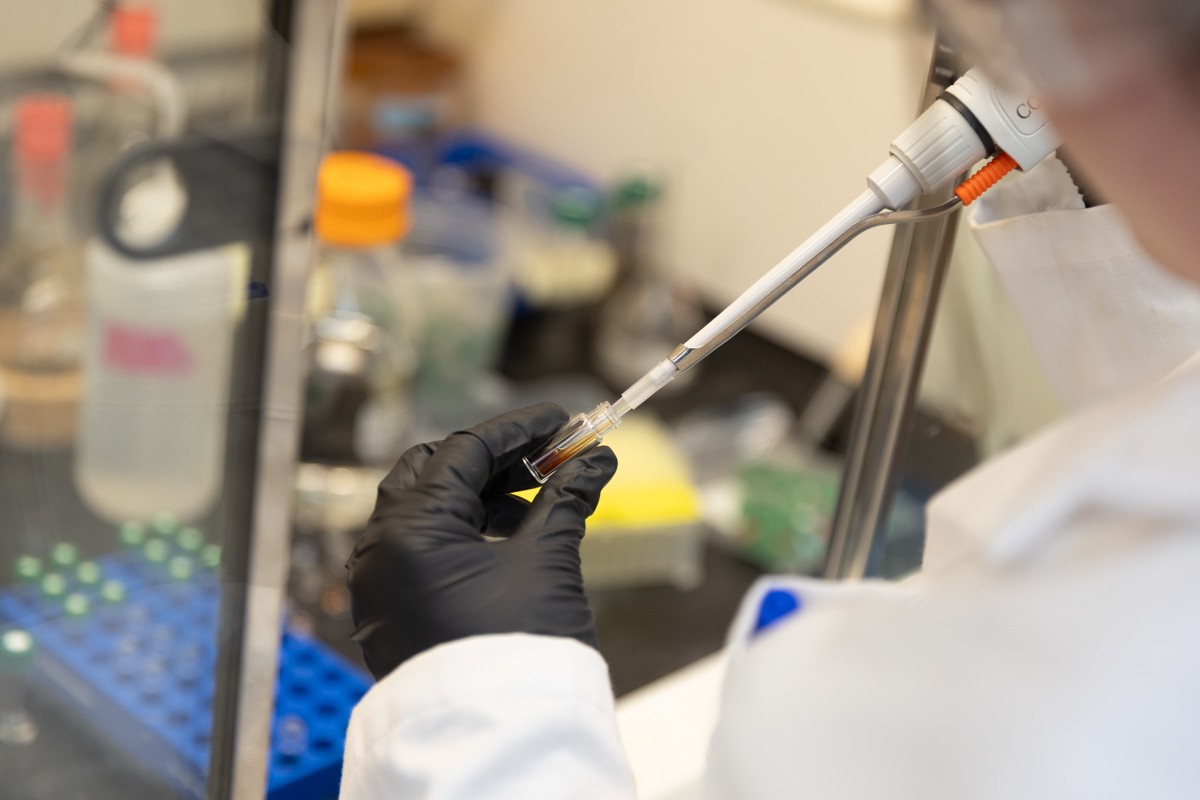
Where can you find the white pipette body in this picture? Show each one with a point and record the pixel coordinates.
(863, 206)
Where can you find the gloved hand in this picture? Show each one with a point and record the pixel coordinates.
(423, 573)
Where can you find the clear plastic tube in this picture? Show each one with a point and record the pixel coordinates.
(581, 433)
(645, 387)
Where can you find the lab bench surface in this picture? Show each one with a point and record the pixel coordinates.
(649, 632)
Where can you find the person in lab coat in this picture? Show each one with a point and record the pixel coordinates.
(1050, 648)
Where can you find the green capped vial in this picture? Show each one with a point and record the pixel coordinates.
(190, 539)
(211, 555)
(53, 585)
(28, 568)
(156, 551)
(165, 523)
(88, 573)
(64, 554)
(180, 568)
(132, 534)
(112, 591)
(77, 605)
(16, 648)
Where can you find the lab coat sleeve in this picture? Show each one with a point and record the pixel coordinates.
(499, 716)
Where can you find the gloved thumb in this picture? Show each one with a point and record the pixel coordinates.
(569, 497)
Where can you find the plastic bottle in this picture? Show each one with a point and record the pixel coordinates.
(362, 355)
(156, 371)
(41, 306)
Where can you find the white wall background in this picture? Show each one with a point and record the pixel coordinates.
(33, 29)
(766, 115)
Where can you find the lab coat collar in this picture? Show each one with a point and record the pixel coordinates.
(1137, 457)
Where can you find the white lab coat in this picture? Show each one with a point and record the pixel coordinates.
(1050, 648)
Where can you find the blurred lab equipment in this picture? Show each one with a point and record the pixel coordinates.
(41, 304)
(362, 358)
(647, 312)
(787, 505)
(456, 258)
(563, 266)
(563, 258)
(972, 120)
(399, 92)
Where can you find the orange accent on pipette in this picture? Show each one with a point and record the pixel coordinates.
(987, 177)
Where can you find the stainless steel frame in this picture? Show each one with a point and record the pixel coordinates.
(313, 64)
(883, 413)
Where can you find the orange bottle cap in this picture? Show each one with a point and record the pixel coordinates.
(42, 127)
(362, 200)
(132, 30)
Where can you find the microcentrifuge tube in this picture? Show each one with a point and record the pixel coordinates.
(77, 605)
(17, 726)
(211, 555)
(581, 433)
(165, 523)
(156, 551)
(64, 554)
(27, 568)
(53, 585)
(180, 568)
(291, 735)
(132, 534)
(190, 539)
(88, 573)
(112, 591)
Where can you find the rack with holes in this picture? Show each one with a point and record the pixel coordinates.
(130, 642)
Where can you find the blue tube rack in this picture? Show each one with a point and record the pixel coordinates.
(141, 671)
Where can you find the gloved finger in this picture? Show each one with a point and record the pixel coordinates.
(467, 461)
(504, 514)
(516, 477)
(408, 466)
(569, 498)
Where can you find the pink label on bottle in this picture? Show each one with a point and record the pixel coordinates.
(146, 352)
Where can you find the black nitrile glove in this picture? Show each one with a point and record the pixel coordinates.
(423, 574)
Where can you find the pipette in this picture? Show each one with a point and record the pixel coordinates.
(971, 121)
